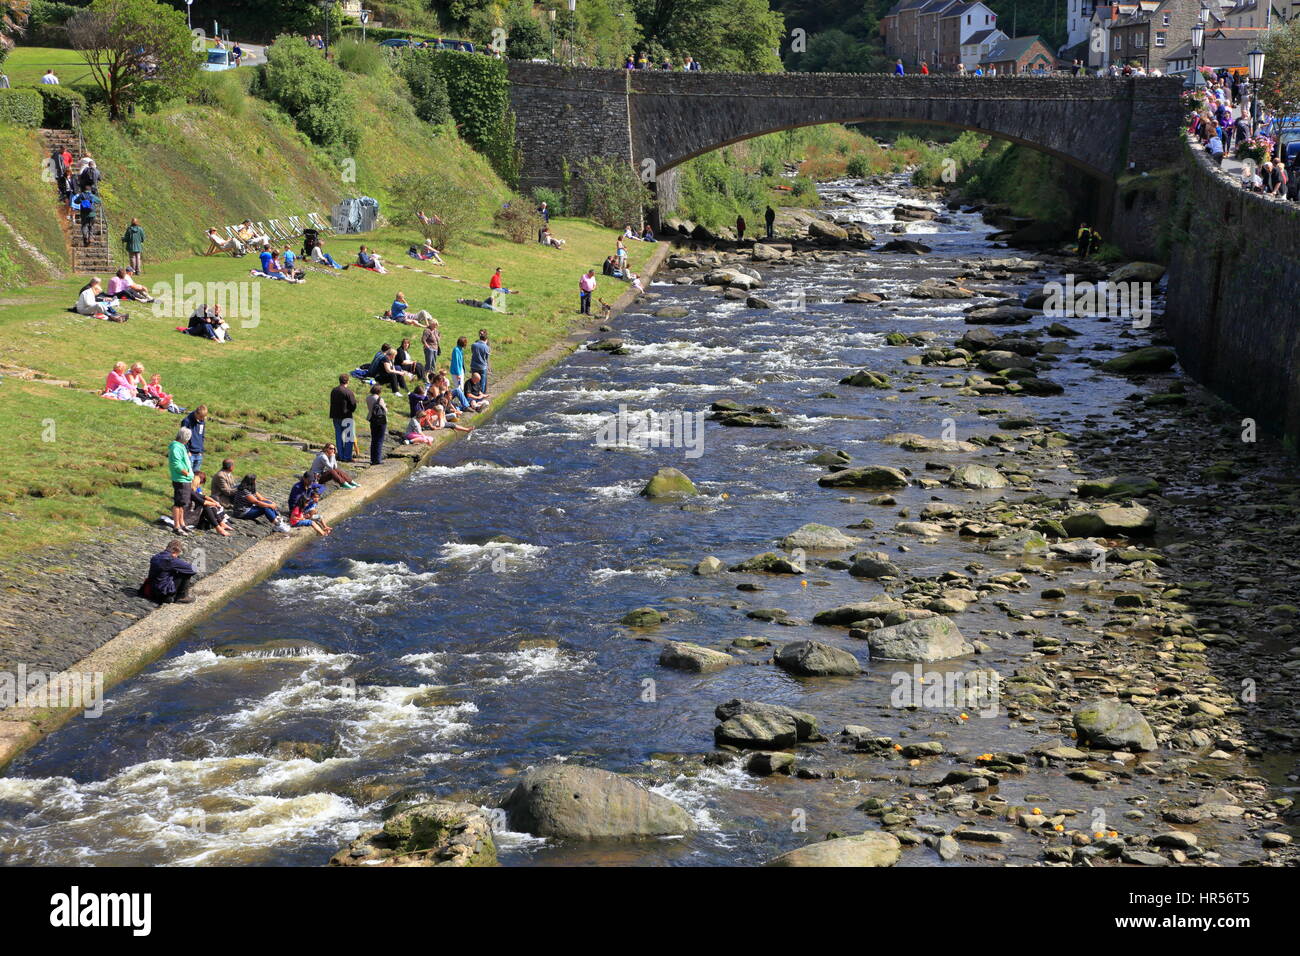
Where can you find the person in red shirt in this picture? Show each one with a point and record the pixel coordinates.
(925, 69)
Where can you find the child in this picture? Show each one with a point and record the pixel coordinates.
(304, 514)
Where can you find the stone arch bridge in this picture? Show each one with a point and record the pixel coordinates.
(657, 120)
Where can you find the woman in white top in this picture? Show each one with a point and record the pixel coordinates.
(89, 303)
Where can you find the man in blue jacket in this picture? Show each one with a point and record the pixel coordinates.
(170, 577)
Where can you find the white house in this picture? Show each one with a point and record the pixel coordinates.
(976, 48)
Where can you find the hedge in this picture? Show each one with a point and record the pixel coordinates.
(58, 102)
(21, 107)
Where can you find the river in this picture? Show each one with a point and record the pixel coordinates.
(469, 621)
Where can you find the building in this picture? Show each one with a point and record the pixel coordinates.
(1146, 34)
(1078, 21)
(1019, 55)
(1220, 53)
(933, 31)
(978, 46)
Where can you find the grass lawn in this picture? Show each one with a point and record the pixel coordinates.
(76, 464)
(27, 64)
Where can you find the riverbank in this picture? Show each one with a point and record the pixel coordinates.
(108, 646)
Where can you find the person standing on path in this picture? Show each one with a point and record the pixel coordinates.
(195, 422)
(769, 218)
(480, 357)
(182, 477)
(377, 416)
(586, 286)
(456, 369)
(133, 239)
(343, 408)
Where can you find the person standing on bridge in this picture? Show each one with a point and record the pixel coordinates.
(925, 68)
(898, 68)
(769, 218)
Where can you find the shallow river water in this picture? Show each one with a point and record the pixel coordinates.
(520, 638)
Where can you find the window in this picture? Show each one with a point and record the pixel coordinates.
(1166, 21)
(1160, 39)
(1118, 42)
(1139, 40)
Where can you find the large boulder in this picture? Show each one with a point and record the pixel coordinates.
(1138, 272)
(682, 656)
(769, 562)
(977, 476)
(733, 278)
(873, 564)
(926, 639)
(815, 659)
(436, 833)
(1113, 726)
(1150, 358)
(584, 803)
(872, 476)
(757, 731)
(909, 246)
(1122, 486)
(823, 229)
(864, 849)
(866, 379)
(847, 614)
(818, 537)
(805, 724)
(669, 483)
(1134, 520)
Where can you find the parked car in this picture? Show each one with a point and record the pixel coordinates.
(218, 60)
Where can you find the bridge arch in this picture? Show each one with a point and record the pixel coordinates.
(658, 119)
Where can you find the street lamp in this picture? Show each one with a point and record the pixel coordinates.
(325, 9)
(1255, 62)
(1198, 45)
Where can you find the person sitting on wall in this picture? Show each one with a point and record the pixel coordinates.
(170, 577)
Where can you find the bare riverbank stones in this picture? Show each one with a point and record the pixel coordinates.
(433, 833)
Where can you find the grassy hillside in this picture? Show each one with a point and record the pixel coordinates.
(82, 465)
(32, 246)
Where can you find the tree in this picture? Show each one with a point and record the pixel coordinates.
(1281, 81)
(739, 35)
(615, 197)
(310, 89)
(444, 210)
(130, 43)
(13, 23)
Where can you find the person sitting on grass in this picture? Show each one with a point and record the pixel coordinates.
(319, 255)
(398, 312)
(123, 286)
(135, 376)
(117, 385)
(427, 253)
(250, 505)
(326, 467)
(648, 234)
(206, 322)
(216, 244)
(170, 577)
(271, 267)
(91, 301)
(385, 371)
(204, 511)
(160, 398)
(369, 260)
(548, 238)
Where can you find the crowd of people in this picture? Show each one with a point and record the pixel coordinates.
(640, 61)
(1227, 123)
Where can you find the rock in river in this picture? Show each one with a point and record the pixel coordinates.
(815, 659)
(818, 537)
(1111, 520)
(669, 483)
(977, 476)
(927, 639)
(1113, 726)
(682, 656)
(864, 849)
(805, 724)
(437, 833)
(564, 800)
(872, 476)
(1150, 358)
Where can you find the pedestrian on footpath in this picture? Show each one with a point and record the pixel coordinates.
(133, 239)
(480, 357)
(586, 286)
(377, 416)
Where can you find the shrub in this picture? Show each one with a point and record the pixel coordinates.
(428, 88)
(21, 107)
(459, 208)
(554, 200)
(517, 220)
(615, 196)
(46, 23)
(357, 56)
(226, 90)
(300, 80)
(858, 166)
(57, 103)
